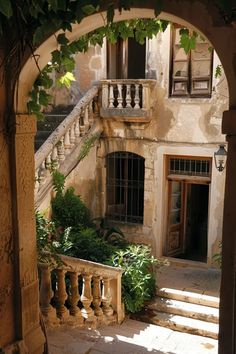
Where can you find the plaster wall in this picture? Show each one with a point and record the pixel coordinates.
(178, 126)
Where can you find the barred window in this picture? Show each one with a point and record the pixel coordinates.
(189, 166)
(125, 187)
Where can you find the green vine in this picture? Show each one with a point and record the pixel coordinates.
(88, 144)
(24, 25)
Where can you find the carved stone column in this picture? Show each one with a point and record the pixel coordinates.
(26, 275)
(227, 335)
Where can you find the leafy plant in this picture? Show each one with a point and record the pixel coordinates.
(45, 237)
(85, 244)
(138, 280)
(110, 233)
(217, 257)
(68, 210)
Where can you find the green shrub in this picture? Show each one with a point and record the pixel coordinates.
(138, 280)
(45, 237)
(68, 210)
(85, 244)
(110, 233)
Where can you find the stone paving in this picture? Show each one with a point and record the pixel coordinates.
(192, 279)
(134, 337)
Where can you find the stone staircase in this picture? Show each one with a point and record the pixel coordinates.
(47, 126)
(183, 311)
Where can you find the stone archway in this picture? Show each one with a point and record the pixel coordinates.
(223, 38)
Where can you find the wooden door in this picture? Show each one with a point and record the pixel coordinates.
(175, 242)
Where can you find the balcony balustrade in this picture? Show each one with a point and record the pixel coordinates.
(85, 293)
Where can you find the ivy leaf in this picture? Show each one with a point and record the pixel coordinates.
(110, 13)
(218, 71)
(56, 56)
(6, 8)
(89, 9)
(44, 98)
(187, 42)
(66, 26)
(158, 6)
(66, 80)
(68, 63)
(61, 38)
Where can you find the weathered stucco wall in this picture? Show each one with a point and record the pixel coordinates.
(179, 126)
(90, 68)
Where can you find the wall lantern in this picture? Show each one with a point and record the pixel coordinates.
(220, 157)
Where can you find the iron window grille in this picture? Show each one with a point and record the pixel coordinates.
(125, 187)
(188, 166)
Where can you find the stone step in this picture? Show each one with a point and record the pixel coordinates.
(187, 296)
(182, 324)
(187, 309)
(50, 122)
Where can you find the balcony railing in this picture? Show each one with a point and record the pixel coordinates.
(85, 293)
(127, 99)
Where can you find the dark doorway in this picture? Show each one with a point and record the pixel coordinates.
(187, 220)
(196, 220)
(136, 59)
(126, 59)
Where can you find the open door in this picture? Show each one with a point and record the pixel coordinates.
(187, 220)
(174, 244)
(126, 59)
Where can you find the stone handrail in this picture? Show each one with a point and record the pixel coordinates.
(128, 98)
(64, 139)
(85, 293)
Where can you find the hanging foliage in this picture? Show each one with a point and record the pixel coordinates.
(25, 24)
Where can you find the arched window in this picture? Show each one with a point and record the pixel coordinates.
(125, 187)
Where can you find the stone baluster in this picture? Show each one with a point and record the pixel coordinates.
(96, 110)
(145, 96)
(82, 125)
(48, 164)
(61, 297)
(72, 134)
(97, 297)
(91, 118)
(67, 145)
(42, 173)
(119, 98)
(74, 297)
(128, 96)
(111, 96)
(106, 297)
(36, 181)
(136, 97)
(105, 96)
(54, 158)
(77, 130)
(86, 118)
(46, 294)
(61, 150)
(86, 298)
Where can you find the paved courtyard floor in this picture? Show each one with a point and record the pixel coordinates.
(134, 337)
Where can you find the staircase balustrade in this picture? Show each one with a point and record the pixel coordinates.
(84, 293)
(62, 142)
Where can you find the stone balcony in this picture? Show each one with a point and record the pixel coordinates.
(127, 100)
